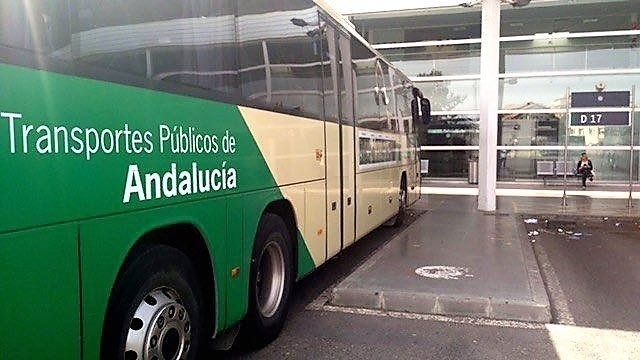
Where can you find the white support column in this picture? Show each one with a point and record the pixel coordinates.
(489, 65)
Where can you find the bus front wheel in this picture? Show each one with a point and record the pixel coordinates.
(269, 282)
(156, 307)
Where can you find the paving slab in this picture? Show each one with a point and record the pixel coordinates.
(472, 264)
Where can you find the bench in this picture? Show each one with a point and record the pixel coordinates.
(546, 168)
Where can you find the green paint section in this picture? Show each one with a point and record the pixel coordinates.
(40, 294)
(95, 138)
(109, 240)
(305, 261)
(55, 184)
(51, 181)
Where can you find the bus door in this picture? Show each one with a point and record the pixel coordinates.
(340, 142)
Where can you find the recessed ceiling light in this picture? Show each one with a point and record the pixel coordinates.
(587, 21)
(517, 24)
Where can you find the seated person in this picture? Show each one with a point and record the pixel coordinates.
(584, 169)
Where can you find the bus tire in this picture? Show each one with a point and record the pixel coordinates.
(155, 309)
(270, 282)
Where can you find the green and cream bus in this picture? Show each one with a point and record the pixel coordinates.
(170, 167)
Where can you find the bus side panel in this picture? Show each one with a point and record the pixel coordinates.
(294, 151)
(236, 300)
(377, 198)
(40, 309)
(106, 242)
(413, 169)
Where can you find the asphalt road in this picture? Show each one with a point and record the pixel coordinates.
(592, 280)
(598, 271)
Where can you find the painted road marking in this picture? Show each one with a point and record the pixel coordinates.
(443, 272)
(570, 341)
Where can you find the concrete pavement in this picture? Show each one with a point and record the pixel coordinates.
(453, 260)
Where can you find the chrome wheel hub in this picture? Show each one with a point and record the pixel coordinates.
(160, 328)
(270, 279)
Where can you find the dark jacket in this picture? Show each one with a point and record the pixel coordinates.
(588, 168)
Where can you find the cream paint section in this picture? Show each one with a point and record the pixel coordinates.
(308, 201)
(574, 342)
(289, 144)
(411, 165)
(348, 179)
(293, 148)
(377, 190)
(333, 189)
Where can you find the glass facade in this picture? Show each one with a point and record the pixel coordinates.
(547, 50)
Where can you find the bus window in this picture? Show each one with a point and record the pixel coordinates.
(366, 98)
(280, 50)
(41, 25)
(190, 43)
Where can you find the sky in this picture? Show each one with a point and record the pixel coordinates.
(360, 6)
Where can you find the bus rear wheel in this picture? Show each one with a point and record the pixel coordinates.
(269, 283)
(155, 310)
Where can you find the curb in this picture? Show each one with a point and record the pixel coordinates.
(424, 303)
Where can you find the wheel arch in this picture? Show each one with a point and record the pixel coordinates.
(188, 239)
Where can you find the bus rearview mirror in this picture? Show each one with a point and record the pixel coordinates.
(425, 107)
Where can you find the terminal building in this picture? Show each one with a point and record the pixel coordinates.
(544, 52)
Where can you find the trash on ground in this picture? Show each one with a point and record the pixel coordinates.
(605, 218)
(533, 241)
(577, 234)
(618, 224)
(531, 221)
(560, 230)
(533, 233)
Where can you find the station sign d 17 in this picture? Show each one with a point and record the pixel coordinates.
(604, 118)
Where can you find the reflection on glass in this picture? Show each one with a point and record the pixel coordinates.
(608, 165)
(550, 92)
(452, 130)
(279, 45)
(531, 129)
(163, 40)
(444, 60)
(607, 53)
(38, 25)
(448, 164)
(599, 135)
(451, 95)
(521, 165)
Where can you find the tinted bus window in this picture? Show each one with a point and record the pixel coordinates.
(187, 42)
(279, 46)
(366, 97)
(39, 25)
